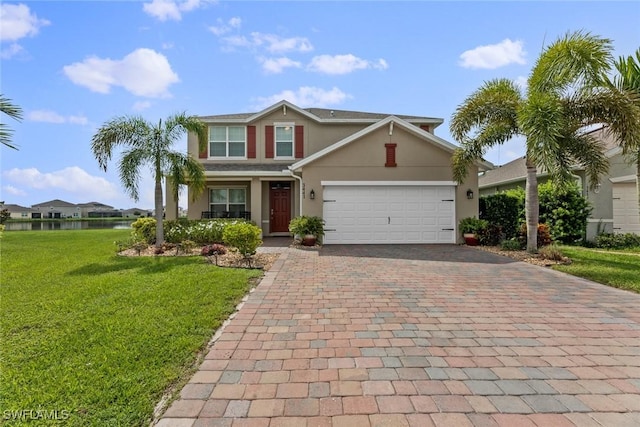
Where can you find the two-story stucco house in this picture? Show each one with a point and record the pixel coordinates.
(373, 178)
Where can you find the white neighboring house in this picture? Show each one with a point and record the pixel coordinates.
(137, 213)
(54, 209)
(614, 201)
(17, 211)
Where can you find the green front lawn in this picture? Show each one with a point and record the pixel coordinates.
(620, 269)
(97, 337)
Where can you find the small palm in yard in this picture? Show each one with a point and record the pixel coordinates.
(564, 97)
(146, 144)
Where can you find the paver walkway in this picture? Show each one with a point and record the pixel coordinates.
(419, 335)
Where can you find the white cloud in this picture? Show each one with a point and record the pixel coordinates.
(223, 28)
(277, 65)
(47, 116)
(10, 189)
(494, 56)
(141, 105)
(17, 21)
(343, 64)
(73, 179)
(143, 72)
(270, 42)
(305, 96)
(165, 10)
(10, 51)
(522, 82)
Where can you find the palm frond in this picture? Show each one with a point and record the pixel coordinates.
(129, 169)
(576, 60)
(13, 111)
(120, 131)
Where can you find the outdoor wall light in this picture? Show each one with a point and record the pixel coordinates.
(469, 194)
(312, 194)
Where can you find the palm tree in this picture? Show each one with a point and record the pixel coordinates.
(562, 100)
(12, 111)
(628, 80)
(144, 143)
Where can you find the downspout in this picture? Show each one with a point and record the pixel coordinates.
(299, 178)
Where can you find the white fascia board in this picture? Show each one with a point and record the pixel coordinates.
(625, 179)
(244, 173)
(389, 183)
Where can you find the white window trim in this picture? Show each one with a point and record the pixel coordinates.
(244, 157)
(227, 187)
(293, 141)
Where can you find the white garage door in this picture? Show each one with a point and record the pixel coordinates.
(361, 214)
(625, 208)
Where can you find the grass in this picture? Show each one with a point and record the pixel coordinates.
(97, 337)
(614, 268)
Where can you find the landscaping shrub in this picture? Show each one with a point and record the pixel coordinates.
(491, 235)
(144, 229)
(565, 210)
(511, 245)
(551, 252)
(243, 236)
(503, 210)
(213, 251)
(203, 232)
(617, 241)
(544, 235)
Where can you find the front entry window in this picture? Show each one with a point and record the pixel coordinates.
(232, 201)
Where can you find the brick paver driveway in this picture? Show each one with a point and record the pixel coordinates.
(418, 336)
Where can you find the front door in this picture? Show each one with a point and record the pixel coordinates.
(280, 206)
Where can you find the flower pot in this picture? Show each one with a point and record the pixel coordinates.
(470, 239)
(309, 240)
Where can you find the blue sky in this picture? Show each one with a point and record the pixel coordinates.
(73, 65)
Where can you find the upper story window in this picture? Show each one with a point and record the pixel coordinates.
(284, 139)
(227, 141)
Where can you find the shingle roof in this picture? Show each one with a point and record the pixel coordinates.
(15, 208)
(516, 170)
(54, 202)
(325, 114)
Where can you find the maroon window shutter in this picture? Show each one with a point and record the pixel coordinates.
(391, 155)
(268, 142)
(251, 142)
(425, 128)
(299, 136)
(204, 154)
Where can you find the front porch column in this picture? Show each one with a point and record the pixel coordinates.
(256, 203)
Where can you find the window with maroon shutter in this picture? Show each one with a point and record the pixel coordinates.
(268, 142)
(251, 142)
(299, 142)
(391, 155)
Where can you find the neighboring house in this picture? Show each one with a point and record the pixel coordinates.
(17, 211)
(373, 178)
(614, 201)
(136, 213)
(56, 209)
(98, 210)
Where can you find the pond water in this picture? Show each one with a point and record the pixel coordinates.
(67, 225)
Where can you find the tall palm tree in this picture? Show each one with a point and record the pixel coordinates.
(146, 144)
(561, 102)
(12, 111)
(627, 80)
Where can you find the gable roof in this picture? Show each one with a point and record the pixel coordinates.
(391, 121)
(320, 115)
(55, 202)
(516, 170)
(15, 208)
(94, 205)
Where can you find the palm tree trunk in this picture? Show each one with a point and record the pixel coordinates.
(159, 209)
(531, 206)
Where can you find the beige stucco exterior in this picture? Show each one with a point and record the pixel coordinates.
(347, 147)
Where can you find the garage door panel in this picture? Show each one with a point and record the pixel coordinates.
(389, 214)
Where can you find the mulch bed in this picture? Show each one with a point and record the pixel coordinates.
(524, 256)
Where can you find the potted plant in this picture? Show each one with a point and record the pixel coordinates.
(308, 229)
(471, 228)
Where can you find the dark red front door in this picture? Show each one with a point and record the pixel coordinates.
(280, 205)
